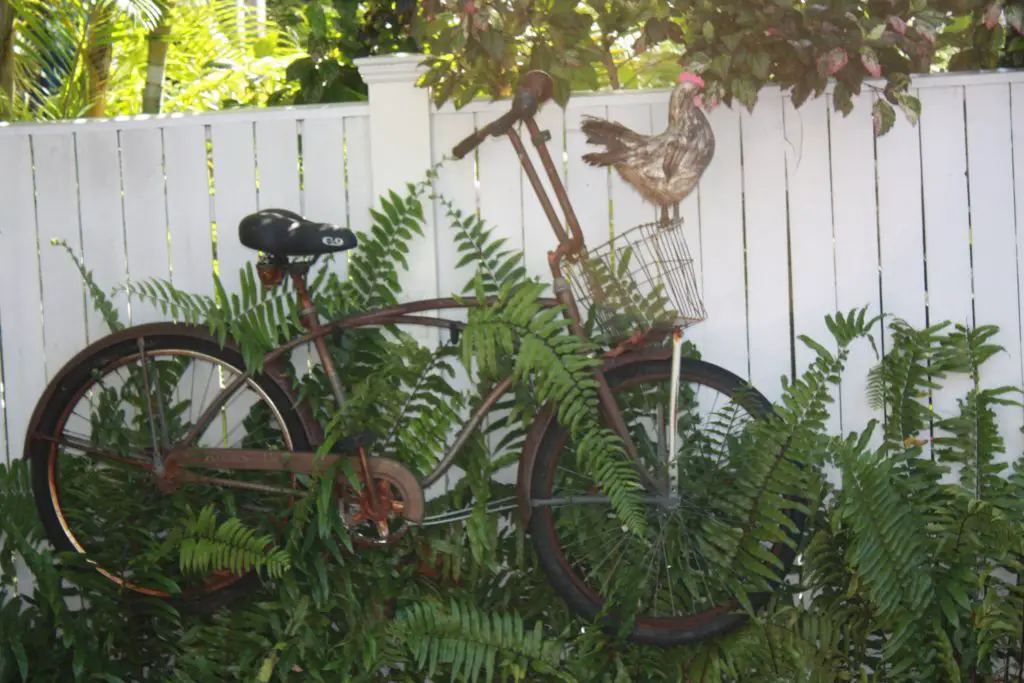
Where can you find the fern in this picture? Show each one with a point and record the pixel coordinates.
(495, 267)
(561, 365)
(207, 547)
(476, 644)
(373, 279)
(100, 300)
(777, 467)
(257, 320)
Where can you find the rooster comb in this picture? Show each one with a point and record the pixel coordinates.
(690, 77)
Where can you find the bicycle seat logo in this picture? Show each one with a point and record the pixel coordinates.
(334, 241)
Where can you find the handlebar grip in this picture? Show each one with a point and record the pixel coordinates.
(469, 143)
(496, 127)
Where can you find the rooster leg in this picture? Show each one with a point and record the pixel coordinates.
(664, 216)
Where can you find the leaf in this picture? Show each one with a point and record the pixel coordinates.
(745, 92)
(760, 65)
(842, 99)
(911, 107)
(493, 44)
(870, 61)
(697, 62)
(720, 65)
(21, 657)
(898, 24)
(1015, 17)
(833, 61)
(926, 30)
(708, 30)
(876, 32)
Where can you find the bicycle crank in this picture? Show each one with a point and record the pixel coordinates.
(388, 502)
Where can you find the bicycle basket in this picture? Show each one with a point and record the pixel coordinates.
(639, 280)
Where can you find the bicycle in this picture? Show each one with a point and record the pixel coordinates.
(282, 435)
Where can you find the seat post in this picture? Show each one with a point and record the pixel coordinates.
(311, 321)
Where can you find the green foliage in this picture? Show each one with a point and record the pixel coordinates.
(482, 46)
(479, 247)
(561, 364)
(476, 644)
(218, 58)
(335, 33)
(908, 571)
(77, 58)
(207, 546)
(257, 319)
(101, 302)
(58, 56)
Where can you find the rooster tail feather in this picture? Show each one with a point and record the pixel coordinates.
(616, 138)
(609, 158)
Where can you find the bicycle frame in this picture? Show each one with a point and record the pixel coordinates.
(571, 243)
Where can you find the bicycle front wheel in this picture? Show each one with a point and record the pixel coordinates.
(91, 451)
(678, 580)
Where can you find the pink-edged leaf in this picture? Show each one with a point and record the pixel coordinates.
(836, 59)
(870, 61)
(898, 25)
(992, 14)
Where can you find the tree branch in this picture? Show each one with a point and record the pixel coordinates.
(6, 49)
(609, 63)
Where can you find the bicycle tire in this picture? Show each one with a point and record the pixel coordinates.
(568, 585)
(71, 380)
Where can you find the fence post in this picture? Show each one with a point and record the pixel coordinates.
(401, 153)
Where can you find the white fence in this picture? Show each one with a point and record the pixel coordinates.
(802, 212)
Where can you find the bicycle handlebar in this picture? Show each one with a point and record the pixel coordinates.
(534, 89)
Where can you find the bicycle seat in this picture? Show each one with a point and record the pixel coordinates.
(285, 233)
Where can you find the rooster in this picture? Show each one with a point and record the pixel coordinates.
(663, 168)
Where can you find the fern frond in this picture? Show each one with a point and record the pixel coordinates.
(887, 549)
(99, 299)
(257, 320)
(477, 645)
(497, 268)
(207, 546)
(560, 364)
(777, 467)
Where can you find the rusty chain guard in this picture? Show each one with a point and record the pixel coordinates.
(385, 472)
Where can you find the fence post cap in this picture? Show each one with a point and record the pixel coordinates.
(400, 67)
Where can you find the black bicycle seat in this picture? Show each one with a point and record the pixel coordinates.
(285, 233)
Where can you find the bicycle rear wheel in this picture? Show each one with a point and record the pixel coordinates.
(91, 444)
(676, 580)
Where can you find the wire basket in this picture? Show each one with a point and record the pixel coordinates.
(642, 279)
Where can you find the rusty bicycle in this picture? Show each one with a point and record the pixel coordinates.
(162, 410)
